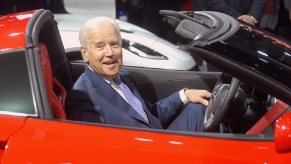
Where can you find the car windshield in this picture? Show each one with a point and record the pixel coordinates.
(16, 94)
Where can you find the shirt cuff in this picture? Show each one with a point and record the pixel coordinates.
(183, 96)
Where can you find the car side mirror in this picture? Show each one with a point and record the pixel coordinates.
(282, 136)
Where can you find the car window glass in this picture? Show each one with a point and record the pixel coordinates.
(15, 95)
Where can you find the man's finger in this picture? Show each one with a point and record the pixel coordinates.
(203, 101)
(207, 94)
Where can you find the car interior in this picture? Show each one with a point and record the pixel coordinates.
(56, 75)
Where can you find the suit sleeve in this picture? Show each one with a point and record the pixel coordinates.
(287, 4)
(80, 108)
(257, 8)
(220, 6)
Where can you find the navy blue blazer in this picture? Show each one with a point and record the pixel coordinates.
(92, 99)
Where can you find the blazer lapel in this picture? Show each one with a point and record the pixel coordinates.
(153, 121)
(109, 93)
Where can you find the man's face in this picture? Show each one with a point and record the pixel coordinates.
(104, 52)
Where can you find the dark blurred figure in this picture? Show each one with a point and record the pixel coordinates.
(145, 13)
(11, 6)
(276, 18)
(6, 7)
(249, 11)
(193, 5)
(152, 20)
(288, 7)
(136, 10)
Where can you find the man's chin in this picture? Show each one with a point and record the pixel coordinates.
(111, 74)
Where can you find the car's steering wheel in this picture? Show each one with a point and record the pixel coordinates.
(219, 102)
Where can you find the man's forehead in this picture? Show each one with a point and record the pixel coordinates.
(107, 28)
(99, 34)
(100, 25)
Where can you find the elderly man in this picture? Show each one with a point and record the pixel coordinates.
(105, 93)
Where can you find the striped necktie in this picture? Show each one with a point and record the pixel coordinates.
(131, 99)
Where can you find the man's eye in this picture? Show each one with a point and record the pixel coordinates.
(115, 45)
(99, 46)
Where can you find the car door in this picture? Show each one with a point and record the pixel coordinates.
(48, 141)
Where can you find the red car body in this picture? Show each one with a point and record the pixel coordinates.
(33, 139)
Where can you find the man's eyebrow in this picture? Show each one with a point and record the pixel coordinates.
(98, 42)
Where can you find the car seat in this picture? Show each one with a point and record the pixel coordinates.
(55, 91)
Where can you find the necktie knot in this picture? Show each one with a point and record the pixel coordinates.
(117, 80)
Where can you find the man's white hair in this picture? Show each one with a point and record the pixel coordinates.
(94, 23)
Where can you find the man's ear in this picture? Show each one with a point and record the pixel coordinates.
(84, 54)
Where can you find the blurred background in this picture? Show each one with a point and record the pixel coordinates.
(141, 19)
(274, 15)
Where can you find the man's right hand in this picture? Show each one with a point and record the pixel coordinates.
(248, 19)
(198, 96)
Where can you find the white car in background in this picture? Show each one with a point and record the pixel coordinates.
(140, 47)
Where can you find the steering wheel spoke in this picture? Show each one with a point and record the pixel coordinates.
(222, 95)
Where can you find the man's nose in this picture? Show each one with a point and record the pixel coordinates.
(109, 50)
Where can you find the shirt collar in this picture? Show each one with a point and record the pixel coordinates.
(108, 80)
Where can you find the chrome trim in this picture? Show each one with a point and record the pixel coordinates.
(17, 114)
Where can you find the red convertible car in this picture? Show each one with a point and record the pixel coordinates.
(247, 119)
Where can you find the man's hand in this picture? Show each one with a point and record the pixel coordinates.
(248, 19)
(198, 96)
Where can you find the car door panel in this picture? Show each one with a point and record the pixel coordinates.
(60, 142)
